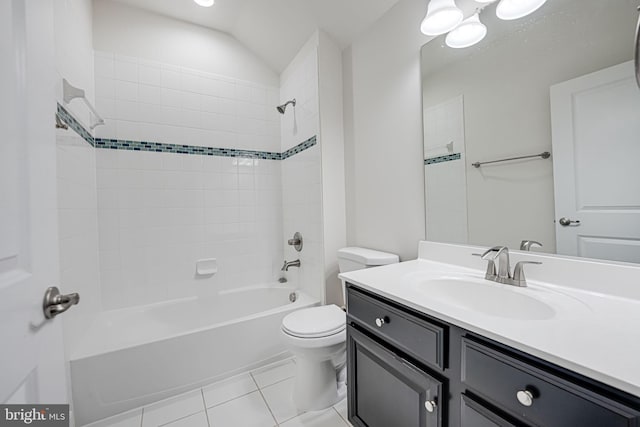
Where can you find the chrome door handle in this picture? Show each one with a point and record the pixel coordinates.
(55, 303)
(566, 221)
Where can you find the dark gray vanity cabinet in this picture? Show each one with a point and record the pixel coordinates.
(409, 369)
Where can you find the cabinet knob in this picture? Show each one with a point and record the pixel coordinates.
(380, 321)
(525, 397)
(430, 405)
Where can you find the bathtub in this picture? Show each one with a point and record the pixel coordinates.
(135, 356)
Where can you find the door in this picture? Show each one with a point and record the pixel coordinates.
(596, 147)
(385, 389)
(31, 360)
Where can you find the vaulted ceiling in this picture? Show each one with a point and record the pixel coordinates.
(275, 29)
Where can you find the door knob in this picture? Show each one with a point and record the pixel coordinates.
(55, 303)
(566, 221)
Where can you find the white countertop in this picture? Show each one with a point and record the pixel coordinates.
(592, 332)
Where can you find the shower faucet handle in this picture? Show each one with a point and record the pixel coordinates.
(296, 242)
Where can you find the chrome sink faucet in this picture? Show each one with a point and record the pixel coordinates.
(287, 264)
(503, 275)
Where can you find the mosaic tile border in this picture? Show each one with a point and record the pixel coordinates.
(442, 159)
(120, 144)
(74, 124)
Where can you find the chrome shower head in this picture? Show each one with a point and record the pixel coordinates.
(283, 107)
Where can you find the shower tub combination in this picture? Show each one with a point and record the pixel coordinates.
(135, 356)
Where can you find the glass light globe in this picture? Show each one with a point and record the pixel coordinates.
(442, 17)
(470, 32)
(204, 3)
(515, 9)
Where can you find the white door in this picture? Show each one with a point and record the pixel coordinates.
(31, 352)
(596, 148)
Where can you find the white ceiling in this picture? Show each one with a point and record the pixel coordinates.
(276, 29)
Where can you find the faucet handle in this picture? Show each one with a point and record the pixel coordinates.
(496, 249)
(518, 272)
(525, 245)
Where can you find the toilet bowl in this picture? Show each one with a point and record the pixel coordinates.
(317, 338)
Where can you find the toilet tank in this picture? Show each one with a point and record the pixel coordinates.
(354, 258)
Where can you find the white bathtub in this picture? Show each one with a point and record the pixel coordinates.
(132, 357)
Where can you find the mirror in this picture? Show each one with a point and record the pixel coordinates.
(559, 81)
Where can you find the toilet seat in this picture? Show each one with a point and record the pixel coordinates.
(315, 322)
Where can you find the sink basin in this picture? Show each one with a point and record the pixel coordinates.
(489, 298)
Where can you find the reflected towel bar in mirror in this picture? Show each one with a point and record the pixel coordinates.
(544, 155)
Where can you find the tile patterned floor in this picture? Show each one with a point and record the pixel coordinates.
(260, 398)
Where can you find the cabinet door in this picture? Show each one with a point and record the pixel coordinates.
(386, 390)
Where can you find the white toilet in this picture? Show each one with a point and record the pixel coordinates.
(317, 338)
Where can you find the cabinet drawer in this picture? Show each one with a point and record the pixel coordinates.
(422, 340)
(534, 395)
(386, 390)
(474, 414)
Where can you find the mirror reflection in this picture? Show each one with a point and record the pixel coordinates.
(560, 81)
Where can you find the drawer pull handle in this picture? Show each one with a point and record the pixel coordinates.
(430, 405)
(525, 397)
(380, 321)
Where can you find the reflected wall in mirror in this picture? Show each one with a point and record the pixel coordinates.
(559, 81)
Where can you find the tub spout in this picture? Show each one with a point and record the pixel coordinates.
(287, 264)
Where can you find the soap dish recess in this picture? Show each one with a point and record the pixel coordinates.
(206, 267)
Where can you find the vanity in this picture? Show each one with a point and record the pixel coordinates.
(431, 342)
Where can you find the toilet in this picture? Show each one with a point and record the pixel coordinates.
(317, 338)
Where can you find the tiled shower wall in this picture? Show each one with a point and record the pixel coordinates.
(145, 100)
(158, 213)
(302, 174)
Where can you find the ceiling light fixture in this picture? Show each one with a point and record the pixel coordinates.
(515, 9)
(442, 17)
(204, 3)
(468, 33)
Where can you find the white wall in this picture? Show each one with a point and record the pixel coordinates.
(332, 147)
(74, 51)
(383, 122)
(301, 173)
(133, 32)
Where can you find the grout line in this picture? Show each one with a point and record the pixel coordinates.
(204, 402)
(340, 415)
(277, 382)
(180, 418)
(234, 398)
(268, 407)
(264, 400)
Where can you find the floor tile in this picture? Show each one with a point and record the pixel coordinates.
(327, 418)
(195, 420)
(341, 407)
(172, 409)
(127, 419)
(245, 411)
(229, 389)
(279, 397)
(271, 374)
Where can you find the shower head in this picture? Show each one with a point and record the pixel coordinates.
(283, 107)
